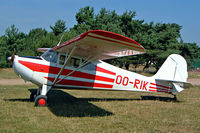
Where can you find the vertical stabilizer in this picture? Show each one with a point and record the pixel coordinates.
(173, 69)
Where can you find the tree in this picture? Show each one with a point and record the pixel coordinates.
(15, 40)
(159, 39)
(191, 52)
(33, 41)
(11, 34)
(85, 16)
(3, 52)
(108, 20)
(59, 27)
(85, 20)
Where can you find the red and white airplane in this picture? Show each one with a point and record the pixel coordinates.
(77, 64)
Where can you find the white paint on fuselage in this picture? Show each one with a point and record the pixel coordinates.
(123, 80)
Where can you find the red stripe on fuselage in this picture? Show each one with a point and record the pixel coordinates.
(161, 86)
(80, 83)
(55, 70)
(99, 69)
(161, 89)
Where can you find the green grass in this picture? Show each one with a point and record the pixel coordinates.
(98, 111)
(7, 73)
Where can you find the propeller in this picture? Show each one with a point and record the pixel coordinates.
(11, 59)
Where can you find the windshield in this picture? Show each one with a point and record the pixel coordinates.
(50, 55)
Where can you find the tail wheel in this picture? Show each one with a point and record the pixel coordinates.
(41, 101)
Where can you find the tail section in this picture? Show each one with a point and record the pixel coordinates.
(173, 70)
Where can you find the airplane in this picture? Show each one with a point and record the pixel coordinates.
(78, 64)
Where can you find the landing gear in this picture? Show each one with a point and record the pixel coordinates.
(41, 101)
(39, 96)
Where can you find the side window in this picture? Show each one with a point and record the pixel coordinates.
(62, 59)
(74, 62)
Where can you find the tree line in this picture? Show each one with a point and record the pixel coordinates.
(159, 39)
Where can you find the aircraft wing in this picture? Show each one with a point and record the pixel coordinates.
(101, 44)
(43, 49)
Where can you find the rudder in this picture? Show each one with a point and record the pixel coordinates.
(173, 69)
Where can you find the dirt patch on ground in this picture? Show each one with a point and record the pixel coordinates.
(193, 81)
(13, 82)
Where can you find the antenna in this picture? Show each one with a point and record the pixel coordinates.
(60, 39)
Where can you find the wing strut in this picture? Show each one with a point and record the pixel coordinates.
(88, 60)
(66, 61)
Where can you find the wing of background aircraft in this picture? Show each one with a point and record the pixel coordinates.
(101, 45)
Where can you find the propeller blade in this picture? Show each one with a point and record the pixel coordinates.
(12, 58)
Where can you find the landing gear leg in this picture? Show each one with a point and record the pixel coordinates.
(41, 98)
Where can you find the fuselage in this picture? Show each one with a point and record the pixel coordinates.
(96, 75)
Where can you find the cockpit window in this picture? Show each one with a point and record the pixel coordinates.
(50, 56)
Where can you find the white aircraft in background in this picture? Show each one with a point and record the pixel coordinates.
(77, 64)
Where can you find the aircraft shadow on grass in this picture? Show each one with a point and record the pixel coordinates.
(65, 105)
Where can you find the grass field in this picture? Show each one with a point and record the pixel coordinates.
(99, 111)
(7, 74)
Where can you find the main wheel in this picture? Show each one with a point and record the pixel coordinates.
(41, 101)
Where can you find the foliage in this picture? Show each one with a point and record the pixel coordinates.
(159, 39)
(59, 27)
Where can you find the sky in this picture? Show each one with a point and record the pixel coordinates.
(30, 14)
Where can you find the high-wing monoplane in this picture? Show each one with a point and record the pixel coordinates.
(78, 64)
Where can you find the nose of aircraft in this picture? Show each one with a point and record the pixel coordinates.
(19, 68)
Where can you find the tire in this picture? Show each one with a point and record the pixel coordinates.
(41, 101)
